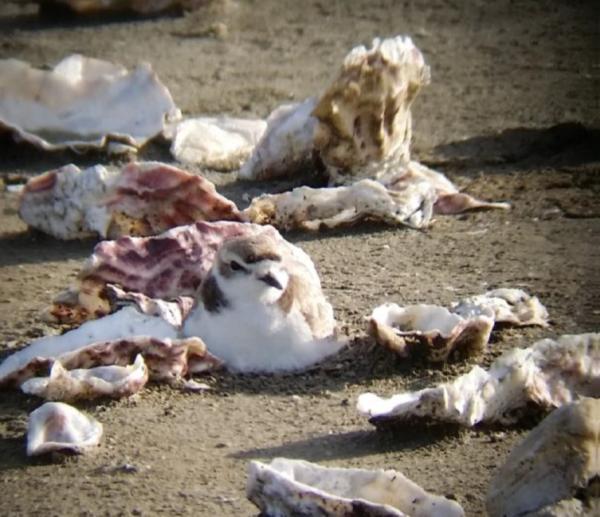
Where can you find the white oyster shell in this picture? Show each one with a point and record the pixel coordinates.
(429, 330)
(296, 487)
(549, 374)
(286, 145)
(505, 305)
(220, 143)
(554, 470)
(58, 427)
(89, 383)
(122, 324)
(315, 208)
(83, 103)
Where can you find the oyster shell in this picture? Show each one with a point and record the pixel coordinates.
(505, 305)
(555, 470)
(436, 332)
(296, 487)
(115, 339)
(315, 208)
(548, 374)
(143, 198)
(220, 143)
(58, 427)
(428, 330)
(89, 383)
(286, 145)
(83, 103)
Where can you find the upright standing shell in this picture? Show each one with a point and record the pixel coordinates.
(555, 470)
(58, 427)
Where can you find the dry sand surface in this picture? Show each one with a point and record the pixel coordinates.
(512, 114)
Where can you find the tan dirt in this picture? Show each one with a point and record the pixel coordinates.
(511, 114)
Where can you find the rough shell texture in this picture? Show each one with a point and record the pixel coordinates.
(555, 470)
(505, 305)
(58, 427)
(364, 117)
(548, 374)
(429, 331)
(286, 145)
(315, 208)
(408, 195)
(164, 267)
(220, 143)
(141, 199)
(102, 381)
(295, 487)
(83, 103)
(113, 340)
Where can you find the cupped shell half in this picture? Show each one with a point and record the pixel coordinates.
(89, 383)
(83, 103)
(58, 427)
(295, 487)
(429, 331)
(555, 470)
(548, 374)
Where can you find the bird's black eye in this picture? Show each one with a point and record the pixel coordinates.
(236, 266)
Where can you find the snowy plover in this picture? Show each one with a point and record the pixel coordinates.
(261, 307)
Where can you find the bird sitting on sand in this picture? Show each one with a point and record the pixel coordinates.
(261, 307)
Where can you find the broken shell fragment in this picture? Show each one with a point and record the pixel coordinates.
(296, 487)
(143, 198)
(220, 143)
(83, 103)
(555, 470)
(58, 427)
(429, 330)
(548, 374)
(89, 383)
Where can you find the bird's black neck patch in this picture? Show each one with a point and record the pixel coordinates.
(212, 297)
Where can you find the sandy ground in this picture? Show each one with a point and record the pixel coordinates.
(511, 114)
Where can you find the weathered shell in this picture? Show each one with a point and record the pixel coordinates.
(555, 470)
(364, 118)
(83, 103)
(58, 427)
(295, 487)
(220, 143)
(549, 374)
(89, 383)
(143, 198)
(429, 330)
(315, 208)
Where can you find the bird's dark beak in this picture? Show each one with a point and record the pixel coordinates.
(269, 279)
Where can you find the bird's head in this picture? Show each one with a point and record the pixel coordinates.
(251, 268)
